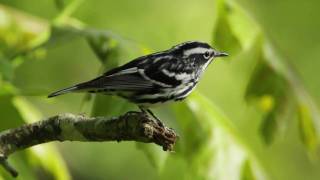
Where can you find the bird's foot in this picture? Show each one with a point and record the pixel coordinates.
(160, 123)
(155, 118)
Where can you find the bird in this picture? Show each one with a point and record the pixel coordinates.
(161, 77)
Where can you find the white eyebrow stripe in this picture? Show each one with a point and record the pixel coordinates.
(198, 50)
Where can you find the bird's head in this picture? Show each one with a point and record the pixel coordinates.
(198, 51)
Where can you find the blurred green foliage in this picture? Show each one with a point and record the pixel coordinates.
(256, 117)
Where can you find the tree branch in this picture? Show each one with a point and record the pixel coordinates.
(132, 126)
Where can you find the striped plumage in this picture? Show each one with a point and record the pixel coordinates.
(156, 78)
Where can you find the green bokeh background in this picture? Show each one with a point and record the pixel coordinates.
(292, 26)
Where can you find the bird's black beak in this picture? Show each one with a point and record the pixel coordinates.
(221, 54)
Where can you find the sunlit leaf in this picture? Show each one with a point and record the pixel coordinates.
(221, 149)
(11, 118)
(225, 153)
(308, 111)
(27, 111)
(47, 155)
(247, 172)
(195, 131)
(65, 13)
(49, 158)
(243, 27)
(223, 37)
(23, 164)
(20, 33)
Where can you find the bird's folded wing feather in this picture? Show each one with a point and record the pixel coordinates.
(136, 76)
(126, 82)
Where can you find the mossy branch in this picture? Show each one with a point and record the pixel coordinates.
(132, 126)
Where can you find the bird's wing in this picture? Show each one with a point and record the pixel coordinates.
(125, 77)
(162, 71)
(141, 74)
(126, 80)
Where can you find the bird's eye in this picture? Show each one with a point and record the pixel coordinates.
(206, 55)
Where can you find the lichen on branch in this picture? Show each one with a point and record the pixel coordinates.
(132, 126)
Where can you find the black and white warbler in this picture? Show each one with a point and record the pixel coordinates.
(165, 76)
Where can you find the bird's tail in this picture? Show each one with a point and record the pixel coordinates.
(88, 86)
(64, 91)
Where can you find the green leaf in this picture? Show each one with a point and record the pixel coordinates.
(7, 89)
(195, 131)
(247, 172)
(223, 155)
(269, 127)
(243, 27)
(307, 129)
(308, 111)
(11, 118)
(60, 34)
(20, 32)
(270, 92)
(6, 69)
(46, 155)
(67, 11)
(24, 166)
(111, 49)
(266, 81)
(103, 45)
(223, 37)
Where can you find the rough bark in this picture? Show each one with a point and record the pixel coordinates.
(132, 126)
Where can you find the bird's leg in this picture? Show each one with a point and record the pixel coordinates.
(143, 110)
(148, 111)
(160, 123)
